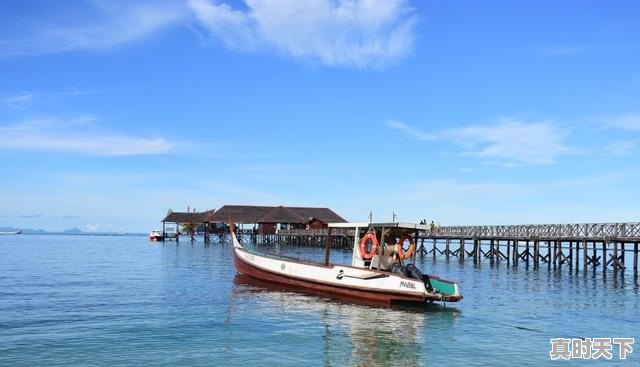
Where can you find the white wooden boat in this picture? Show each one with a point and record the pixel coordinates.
(382, 268)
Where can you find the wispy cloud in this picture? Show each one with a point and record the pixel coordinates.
(507, 141)
(626, 121)
(97, 227)
(411, 131)
(622, 147)
(19, 100)
(77, 135)
(360, 33)
(26, 216)
(512, 142)
(355, 33)
(89, 25)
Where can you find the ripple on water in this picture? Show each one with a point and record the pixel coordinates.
(81, 300)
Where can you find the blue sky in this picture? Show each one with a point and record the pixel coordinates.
(464, 112)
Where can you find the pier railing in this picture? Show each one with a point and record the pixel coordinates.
(583, 231)
(315, 232)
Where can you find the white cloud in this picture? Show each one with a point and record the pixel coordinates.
(357, 33)
(89, 25)
(512, 142)
(360, 33)
(411, 131)
(627, 121)
(19, 100)
(622, 148)
(97, 227)
(508, 142)
(76, 136)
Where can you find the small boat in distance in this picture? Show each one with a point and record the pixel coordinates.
(11, 232)
(382, 270)
(155, 235)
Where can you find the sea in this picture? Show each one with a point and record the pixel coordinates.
(124, 301)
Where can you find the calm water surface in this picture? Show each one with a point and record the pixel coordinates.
(82, 300)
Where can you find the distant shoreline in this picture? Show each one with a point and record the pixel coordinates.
(82, 234)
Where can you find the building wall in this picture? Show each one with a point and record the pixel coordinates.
(316, 224)
(266, 228)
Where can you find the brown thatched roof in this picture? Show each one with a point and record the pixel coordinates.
(183, 217)
(280, 214)
(239, 213)
(273, 214)
(325, 215)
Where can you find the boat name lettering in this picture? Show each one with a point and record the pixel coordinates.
(404, 284)
(340, 275)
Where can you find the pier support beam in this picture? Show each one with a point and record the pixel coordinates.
(476, 250)
(635, 258)
(604, 255)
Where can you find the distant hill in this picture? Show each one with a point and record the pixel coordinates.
(70, 231)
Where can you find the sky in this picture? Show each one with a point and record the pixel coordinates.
(112, 112)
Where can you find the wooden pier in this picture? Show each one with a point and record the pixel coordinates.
(553, 245)
(571, 246)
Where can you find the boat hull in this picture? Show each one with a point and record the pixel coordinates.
(318, 286)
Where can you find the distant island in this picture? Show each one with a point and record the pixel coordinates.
(71, 231)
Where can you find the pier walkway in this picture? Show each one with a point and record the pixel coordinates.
(573, 246)
(609, 245)
(556, 245)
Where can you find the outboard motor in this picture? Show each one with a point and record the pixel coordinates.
(398, 269)
(413, 271)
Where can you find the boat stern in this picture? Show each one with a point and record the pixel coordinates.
(441, 289)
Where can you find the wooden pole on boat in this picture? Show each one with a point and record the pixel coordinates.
(327, 250)
(380, 246)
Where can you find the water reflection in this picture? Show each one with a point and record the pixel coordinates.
(351, 333)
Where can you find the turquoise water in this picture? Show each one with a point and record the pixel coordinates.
(82, 300)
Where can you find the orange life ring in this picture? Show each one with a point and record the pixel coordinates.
(412, 247)
(367, 255)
